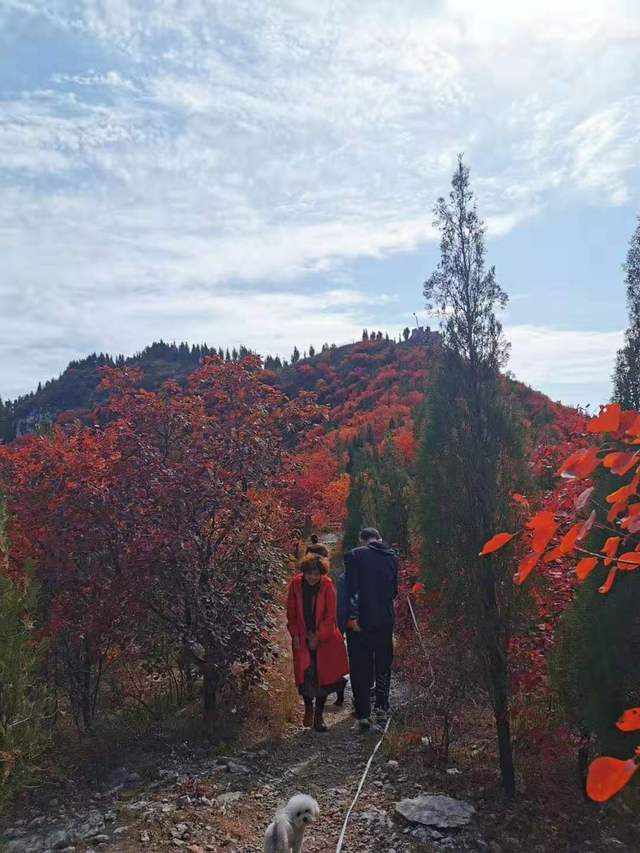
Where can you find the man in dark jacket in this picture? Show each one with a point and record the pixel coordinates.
(372, 585)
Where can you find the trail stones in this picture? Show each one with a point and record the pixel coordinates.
(436, 810)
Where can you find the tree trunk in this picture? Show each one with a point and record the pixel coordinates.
(209, 692)
(503, 730)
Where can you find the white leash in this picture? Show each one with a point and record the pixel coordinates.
(361, 785)
(384, 733)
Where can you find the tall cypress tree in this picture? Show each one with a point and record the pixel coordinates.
(626, 378)
(466, 469)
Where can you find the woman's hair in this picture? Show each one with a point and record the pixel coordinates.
(314, 563)
(314, 539)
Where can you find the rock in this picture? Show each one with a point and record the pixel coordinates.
(57, 839)
(184, 801)
(393, 765)
(120, 830)
(436, 810)
(453, 771)
(138, 806)
(179, 830)
(25, 845)
(110, 816)
(229, 797)
(232, 767)
(90, 826)
(145, 838)
(100, 839)
(123, 778)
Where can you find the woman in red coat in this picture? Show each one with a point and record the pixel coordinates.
(319, 656)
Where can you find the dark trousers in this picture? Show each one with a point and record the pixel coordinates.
(370, 659)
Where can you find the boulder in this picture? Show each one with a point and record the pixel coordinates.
(436, 810)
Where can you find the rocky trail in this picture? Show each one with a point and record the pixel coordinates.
(225, 802)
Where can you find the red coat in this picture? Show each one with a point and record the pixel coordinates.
(331, 653)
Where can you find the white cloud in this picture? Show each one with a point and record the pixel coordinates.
(206, 143)
(543, 356)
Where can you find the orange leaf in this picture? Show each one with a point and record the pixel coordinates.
(621, 495)
(606, 586)
(585, 567)
(607, 776)
(620, 463)
(610, 547)
(495, 543)
(616, 510)
(566, 544)
(580, 464)
(634, 426)
(607, 421)
(544, 527)
(525, 568)
(629, 562)
(630, 720)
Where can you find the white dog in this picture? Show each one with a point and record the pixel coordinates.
(286, 833)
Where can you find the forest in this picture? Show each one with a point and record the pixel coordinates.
(150, 512)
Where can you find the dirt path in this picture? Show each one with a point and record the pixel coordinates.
(238, 799)
(224, 803)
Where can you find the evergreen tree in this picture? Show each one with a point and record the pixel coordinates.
(365, 335)
(406, 333)
(467, 469)
(312, 351)
(295, 355)
(595, 665)
(397, 497)
(626, 378)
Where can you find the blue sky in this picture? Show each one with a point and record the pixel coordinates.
(264, 173)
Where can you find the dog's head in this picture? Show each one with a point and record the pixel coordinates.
(302, 810)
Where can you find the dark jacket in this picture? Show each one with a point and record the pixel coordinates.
(343, 602)
(372, 584)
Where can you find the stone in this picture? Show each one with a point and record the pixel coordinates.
(100, 839)
(436, 810)
(120, 830)
(57, 839)
(184, 801)
(145, 838)
(90, 826)
(24, 845)
(229, 797)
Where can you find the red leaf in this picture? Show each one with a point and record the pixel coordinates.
(629, 562)
(607, 776)
(606, 586)
(620, 463)
(607, 421)
(585, 567)
(610, 547)
(580, 464)
(544, 527)
(630, 720)
(525, 568)
(566, 544)
(495, 543)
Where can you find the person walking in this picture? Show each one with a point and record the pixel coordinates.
(319, 656)
(372, 587)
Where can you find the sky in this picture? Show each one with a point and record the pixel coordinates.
(265, 173)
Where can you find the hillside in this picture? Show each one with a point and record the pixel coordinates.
(352, 379)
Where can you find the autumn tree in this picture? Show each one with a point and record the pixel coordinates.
(472, 435)
(161, 519)
(626, 378)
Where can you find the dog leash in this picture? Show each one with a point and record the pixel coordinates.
(361, 785)
(385, 730)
